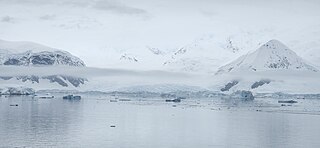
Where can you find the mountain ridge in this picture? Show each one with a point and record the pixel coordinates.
(20, 53)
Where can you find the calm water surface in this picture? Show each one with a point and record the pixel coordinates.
(87, 123)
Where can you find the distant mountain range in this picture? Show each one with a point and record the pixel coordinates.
(271, 68)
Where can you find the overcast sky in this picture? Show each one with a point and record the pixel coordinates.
(91, 28)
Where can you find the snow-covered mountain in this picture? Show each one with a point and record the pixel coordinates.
(271, 68)
(29, 54)
(273, 55)
(203, 55)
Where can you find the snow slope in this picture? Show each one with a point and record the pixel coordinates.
(29, 54)
(202, 55)
(271, 56)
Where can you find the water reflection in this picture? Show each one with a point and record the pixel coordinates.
(86, 123)
(37, 121)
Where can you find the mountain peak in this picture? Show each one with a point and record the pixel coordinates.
(271, 56)
(274, 44)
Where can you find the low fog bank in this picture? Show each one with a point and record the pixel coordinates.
(98, 79)
(110, 78)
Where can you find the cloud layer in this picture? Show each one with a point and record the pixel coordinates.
(96, 29)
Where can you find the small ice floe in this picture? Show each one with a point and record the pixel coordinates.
(288, 101)
(173, 100)
(72, 97)
(46, 96)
